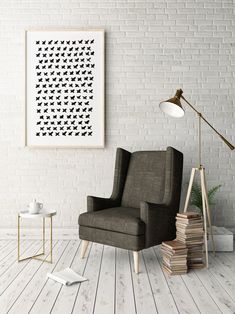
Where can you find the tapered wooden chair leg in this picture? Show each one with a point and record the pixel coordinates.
(136, 261)
(84, 248)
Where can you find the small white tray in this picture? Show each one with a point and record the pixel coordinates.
(43, 213)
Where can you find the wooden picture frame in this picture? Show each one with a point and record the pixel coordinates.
(64, 88)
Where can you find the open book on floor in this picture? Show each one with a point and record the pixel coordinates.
(66, 276)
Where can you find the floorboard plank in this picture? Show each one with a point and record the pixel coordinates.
(229, 256)
(87, 292)
(216, 291)
(113, 287)
(200, 295)
(145, 302)
(67, 295)
(10, 267)
(4, 243)
(224, 275)
(14, 286)
(228, 261)
(17, 267)
(7, 250)
(48, 294)
(105, 298)
(125, 299)
(30, 292)
(183, 299)
(161, 292)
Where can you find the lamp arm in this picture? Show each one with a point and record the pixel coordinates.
(231, 146)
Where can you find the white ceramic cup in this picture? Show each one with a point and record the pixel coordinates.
(35, 207)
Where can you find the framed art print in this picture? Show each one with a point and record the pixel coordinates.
(65, 88)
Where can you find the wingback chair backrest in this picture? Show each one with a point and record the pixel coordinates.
(153, 176)
(145, 178)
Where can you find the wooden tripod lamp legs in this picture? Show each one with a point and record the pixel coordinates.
(205, 204)
(189, 189)
(207, 207)
(205, 221)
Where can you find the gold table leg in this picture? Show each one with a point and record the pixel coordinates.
(43, 234)
(51, 240)
(18, 238)
(37, 256)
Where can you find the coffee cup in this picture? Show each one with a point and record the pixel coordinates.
(35, 207)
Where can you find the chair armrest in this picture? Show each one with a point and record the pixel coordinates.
(96, 203)
(159, 220)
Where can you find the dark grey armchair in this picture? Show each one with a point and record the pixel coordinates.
(141, 210)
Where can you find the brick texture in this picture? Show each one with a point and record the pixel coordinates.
(152, 48)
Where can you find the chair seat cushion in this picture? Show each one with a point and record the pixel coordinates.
(119, 219)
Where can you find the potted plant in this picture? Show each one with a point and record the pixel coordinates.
(196, 196)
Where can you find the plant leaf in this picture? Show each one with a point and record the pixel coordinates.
(211, 193)
(196, 195)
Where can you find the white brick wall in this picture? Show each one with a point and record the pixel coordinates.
(152, 48)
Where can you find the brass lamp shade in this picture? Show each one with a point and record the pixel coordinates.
(172, 107)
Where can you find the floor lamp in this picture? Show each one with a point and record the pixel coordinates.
(173, 108)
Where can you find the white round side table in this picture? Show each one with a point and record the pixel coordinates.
(44, 213)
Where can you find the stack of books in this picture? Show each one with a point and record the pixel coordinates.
(190, 232)
(174, 254)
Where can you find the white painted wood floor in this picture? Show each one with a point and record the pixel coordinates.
(113, 287)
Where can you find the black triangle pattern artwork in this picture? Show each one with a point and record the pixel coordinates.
(64, 87)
